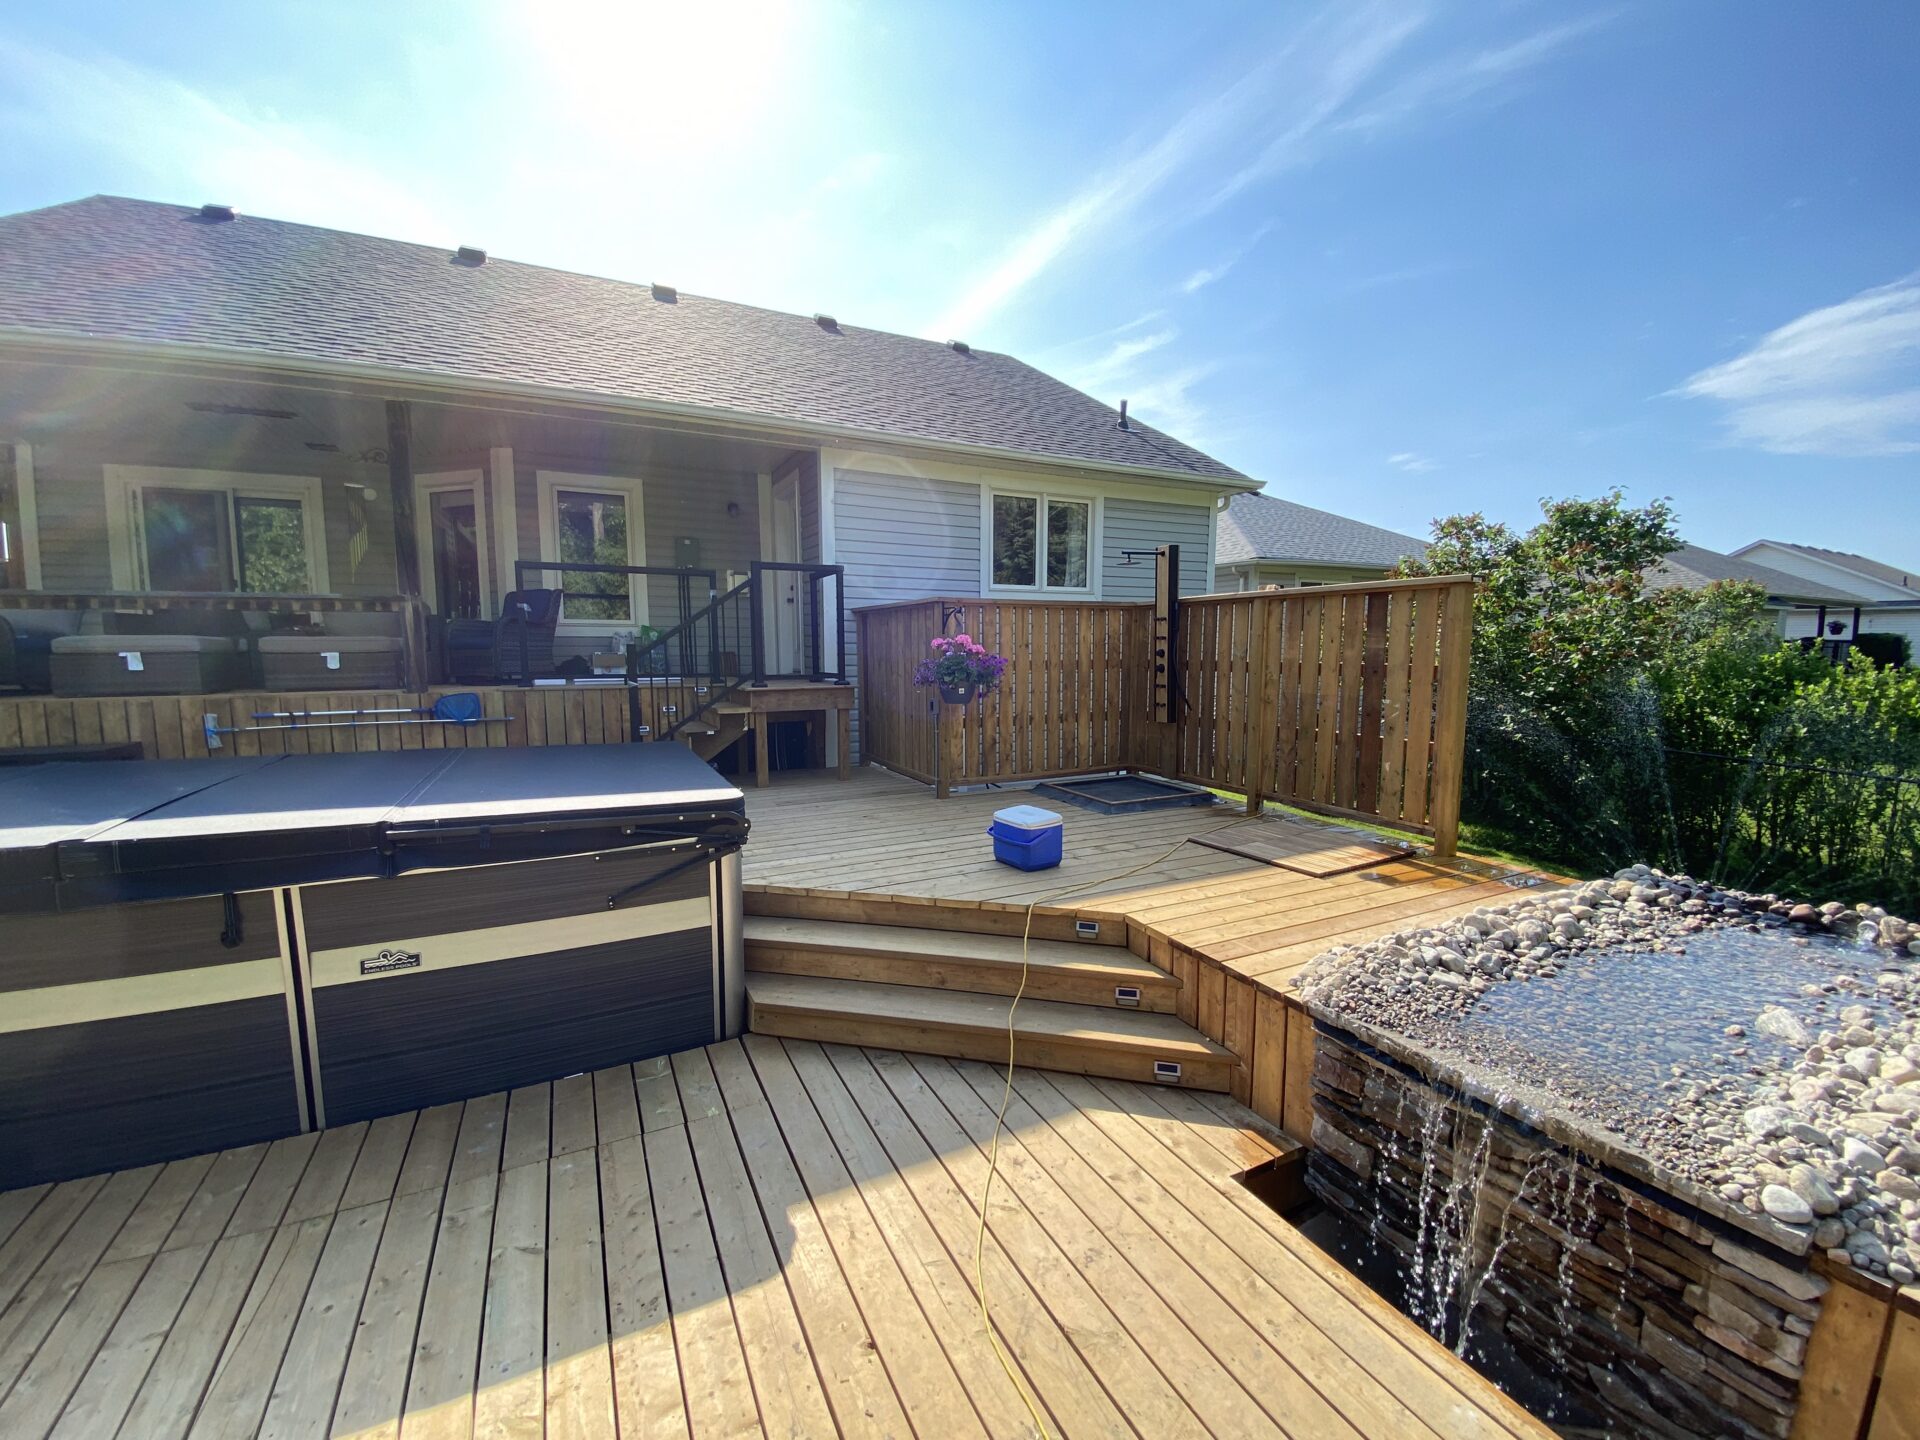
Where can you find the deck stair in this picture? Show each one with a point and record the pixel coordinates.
(1090, 1009)
(716, 729)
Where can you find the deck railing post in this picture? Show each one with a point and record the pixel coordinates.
(1450, 717)
(758, 616)
(818, 670)
(840, 625)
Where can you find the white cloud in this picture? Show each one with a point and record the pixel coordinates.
(1207, 274)
(1119, 361)
(1277, 116)
(1462, 77)
(1412, 463)
(1843, 380)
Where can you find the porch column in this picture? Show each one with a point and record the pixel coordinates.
(406, 543)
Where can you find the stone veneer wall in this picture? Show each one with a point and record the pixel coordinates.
(1678, 1325)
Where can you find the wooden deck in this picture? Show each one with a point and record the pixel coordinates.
(881, 835)
(762, 1237)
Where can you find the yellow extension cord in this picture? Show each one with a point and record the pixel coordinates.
(1006, 1099)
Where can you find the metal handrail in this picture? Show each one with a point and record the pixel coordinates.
(816, 577)
(684, 576)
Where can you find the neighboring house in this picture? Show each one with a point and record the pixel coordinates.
(1888, 598)
(1265, 540)
(192, 399)
(1803, 605)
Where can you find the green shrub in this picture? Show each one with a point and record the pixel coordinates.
(1607, 723)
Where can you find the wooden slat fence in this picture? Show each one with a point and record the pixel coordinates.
(897, 726)
(170, 726)
(1062, 708)
(1348, 700)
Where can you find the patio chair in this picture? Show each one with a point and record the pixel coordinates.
(490, 650)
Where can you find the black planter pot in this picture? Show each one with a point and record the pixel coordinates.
(957, 694)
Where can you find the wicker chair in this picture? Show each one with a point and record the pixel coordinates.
(491, 650)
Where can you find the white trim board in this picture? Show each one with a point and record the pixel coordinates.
(122, 480)
(424, 487)
(29, 510)
(506, 518)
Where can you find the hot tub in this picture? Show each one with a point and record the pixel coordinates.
(205, 953)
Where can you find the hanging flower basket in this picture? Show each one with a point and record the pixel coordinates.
(961, 668)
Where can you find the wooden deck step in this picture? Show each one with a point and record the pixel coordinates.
(1119, 1044)
(1076, 925)
(1099, 975)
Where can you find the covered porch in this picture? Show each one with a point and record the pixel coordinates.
(222, 535)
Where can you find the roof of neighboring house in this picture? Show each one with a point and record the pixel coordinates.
(1693, 567)
(136, 271)
(1265, 527)
(1847, 560)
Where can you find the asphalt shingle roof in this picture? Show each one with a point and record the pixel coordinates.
(1693, 567)
(1265, 527)
(134, 270)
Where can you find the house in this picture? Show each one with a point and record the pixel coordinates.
(1265, 540)
(1803, 605)
(1887, 597)
(194, 400)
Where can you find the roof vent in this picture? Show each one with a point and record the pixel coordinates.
(666, 294)
(216, 212)
(828, 323)
(1123, 416)
(960, 347)
(469, 255)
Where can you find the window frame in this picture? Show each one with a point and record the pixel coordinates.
(1043, 499)
(424, 488)
(630, 488)
(126, 553)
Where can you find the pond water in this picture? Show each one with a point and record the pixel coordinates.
(1612, 1030)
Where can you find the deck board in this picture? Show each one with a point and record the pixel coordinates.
(786, 1245)
(879, 836)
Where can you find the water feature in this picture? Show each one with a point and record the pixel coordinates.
(1595, 1135)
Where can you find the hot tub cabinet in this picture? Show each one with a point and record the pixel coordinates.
(210, 953)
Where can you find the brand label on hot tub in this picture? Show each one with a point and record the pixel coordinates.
(388, 960)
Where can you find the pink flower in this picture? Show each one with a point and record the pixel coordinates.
(963, 639)
(939, 644)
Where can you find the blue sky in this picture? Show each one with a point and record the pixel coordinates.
(1396, 260)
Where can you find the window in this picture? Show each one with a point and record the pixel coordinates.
(206, 531)
(1041, 542)
(593, 520)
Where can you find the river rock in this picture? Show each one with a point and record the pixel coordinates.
(1763, 1122)
(1861, 1157)
(1805, 1182)
(1784, 1025)
(1784, 1205)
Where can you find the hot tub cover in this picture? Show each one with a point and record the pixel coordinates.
(107, 832)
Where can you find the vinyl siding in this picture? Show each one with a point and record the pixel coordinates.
(1146, 525)
(902, 538)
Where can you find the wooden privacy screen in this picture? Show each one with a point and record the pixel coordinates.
(1061, 709)
(1347, 699)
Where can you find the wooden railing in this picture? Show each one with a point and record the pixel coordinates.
(173, 727)
(1348, 700)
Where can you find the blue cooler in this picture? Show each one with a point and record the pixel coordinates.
(1026, 837)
